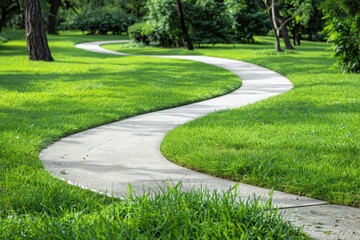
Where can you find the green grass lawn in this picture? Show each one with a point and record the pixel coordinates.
(306, 141)
(41, 102)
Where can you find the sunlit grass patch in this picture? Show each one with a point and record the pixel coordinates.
(41, 102)
(306, 141)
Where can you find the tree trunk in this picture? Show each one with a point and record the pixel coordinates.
(54, 8)
(3, 20)
(184, 32)
(283, 29)
(277, 41)
(275, 27)
(37, 44)
(285, 35)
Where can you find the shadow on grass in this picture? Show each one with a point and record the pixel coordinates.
(10, 50)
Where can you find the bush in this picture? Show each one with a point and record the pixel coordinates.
(136, 33)
(207, 22)
(343, 28)
(100, 21)
(11, 34)
(162, 24)
(248, 19)
(345, 39)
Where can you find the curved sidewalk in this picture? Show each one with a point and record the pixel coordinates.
(109, 157)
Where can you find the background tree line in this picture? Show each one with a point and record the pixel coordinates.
(159, 23)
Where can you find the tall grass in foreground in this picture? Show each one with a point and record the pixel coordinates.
(171, 214)
(306, 141)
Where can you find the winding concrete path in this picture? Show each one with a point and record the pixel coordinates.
(108, 158)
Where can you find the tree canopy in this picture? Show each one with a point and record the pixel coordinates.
(159, 22)
(343, 27)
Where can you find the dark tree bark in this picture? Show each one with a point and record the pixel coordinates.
(37, 44)
(284, 31)
(54, 8)
(184, 32)
(285, 35)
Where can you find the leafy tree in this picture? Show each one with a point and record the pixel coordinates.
(94, 18)
(7, 9)
(36, 39)
(311, 29)
(206, 22)
(162, 26)
(343, 27)
(248, 19)
(134, 7)
(281, 12)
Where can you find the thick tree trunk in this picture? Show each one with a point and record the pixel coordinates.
(285, 35)
(54, 8)
(3, 20)
(184, 32)
(37, 44)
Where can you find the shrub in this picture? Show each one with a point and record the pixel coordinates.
(100, 21)
(345, 39)
(162, 24)
(137, 34)
(343, 28)
(248, 19)
(206, 22)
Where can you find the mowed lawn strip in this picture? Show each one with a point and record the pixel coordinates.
(306, 141)
(41, 102)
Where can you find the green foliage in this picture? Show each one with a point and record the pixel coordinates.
(312, 29)
(8, 35)
(162, 24)
(9, 10)
(134, 7)
(100, 21)
(345, 39)
(136, 33)
(206, 22)
(343, 28)
(248, 19)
